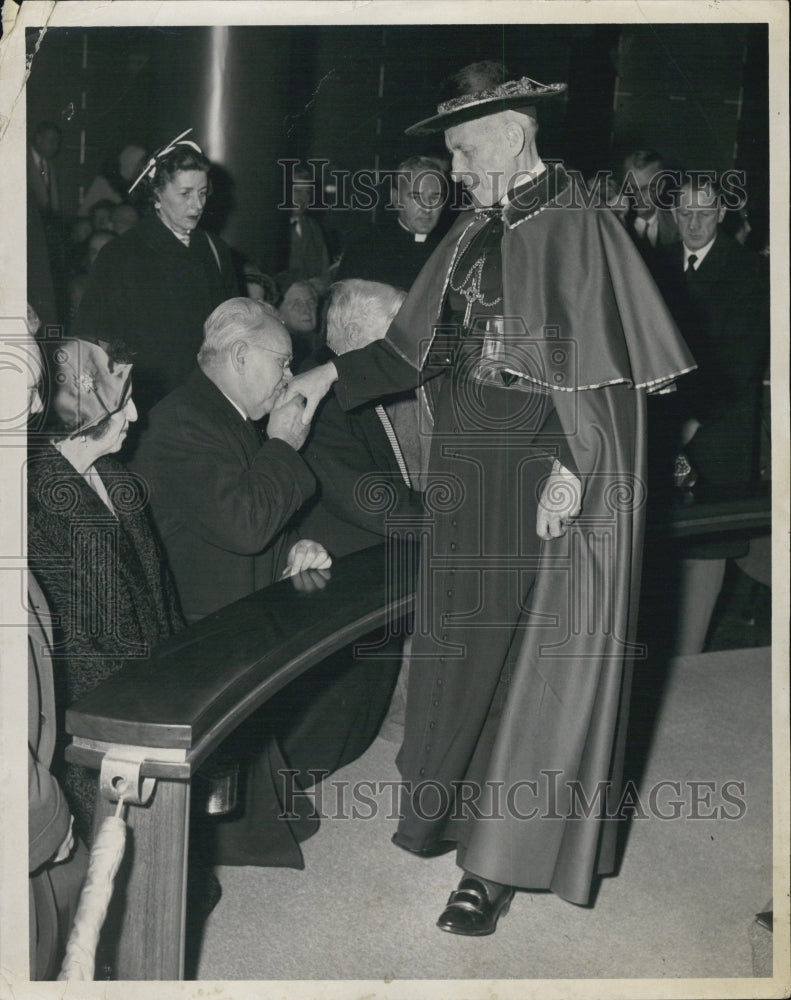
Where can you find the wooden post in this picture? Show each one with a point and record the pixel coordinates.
(148, 910)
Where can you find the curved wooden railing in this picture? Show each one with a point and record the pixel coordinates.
(161, 718)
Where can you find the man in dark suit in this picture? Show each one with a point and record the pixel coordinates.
(650, 225)
(396, 249)
(718, 291)
(364, 455)
(222, 495)
(352, 454)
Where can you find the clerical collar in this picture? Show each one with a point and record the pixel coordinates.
(525, 178)
(547, 184)
(417, 237)
(182, 237)
(700, 255)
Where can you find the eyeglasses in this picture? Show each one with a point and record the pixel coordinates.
(285, 359)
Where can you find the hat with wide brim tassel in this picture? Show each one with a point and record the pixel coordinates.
(483, 92)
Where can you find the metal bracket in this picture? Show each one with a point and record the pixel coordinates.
(120, 777)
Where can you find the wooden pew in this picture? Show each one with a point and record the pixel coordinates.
(161, 718)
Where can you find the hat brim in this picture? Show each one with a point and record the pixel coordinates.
(482, 109)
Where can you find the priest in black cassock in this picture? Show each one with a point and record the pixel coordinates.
(396, 248)
(534, 332)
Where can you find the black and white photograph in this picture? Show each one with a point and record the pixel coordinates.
(394, 512)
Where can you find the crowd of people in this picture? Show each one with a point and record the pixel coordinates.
(515, 372)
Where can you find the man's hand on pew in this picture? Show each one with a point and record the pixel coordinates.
(306, 554)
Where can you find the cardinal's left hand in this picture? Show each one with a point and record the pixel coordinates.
(560, 503)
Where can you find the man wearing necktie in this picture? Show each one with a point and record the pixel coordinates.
(533, 333)
(649, 225)
(718, 291)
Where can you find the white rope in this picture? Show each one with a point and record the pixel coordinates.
(106, 855)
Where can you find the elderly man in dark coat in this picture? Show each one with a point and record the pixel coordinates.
(368, 454)
(534, 331)
(223, 496)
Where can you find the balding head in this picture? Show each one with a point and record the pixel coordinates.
(246, 352)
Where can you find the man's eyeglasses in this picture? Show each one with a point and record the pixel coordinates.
(285, 359)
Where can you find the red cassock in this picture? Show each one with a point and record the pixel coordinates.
(536, 333)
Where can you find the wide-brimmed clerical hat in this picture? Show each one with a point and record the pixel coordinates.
(481, 90)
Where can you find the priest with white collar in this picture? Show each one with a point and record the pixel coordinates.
(394, 251)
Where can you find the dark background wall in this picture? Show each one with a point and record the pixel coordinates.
(253, 95)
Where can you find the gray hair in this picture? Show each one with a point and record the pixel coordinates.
(361, 302)
(231, 320)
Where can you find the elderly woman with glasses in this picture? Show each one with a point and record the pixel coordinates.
(90, 542)
(154, 286)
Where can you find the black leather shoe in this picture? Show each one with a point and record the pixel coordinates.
(472, 911)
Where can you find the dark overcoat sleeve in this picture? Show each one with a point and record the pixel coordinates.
(359, 483)
(198, 471)
(48, 814)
